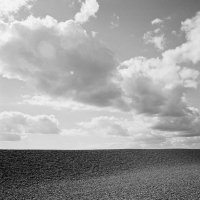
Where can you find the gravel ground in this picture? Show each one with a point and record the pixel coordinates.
(176, 180)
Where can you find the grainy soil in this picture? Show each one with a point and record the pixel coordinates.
(100, 174)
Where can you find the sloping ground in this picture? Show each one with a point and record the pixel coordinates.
(104, 174)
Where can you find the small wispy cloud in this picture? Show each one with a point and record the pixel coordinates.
(157, 30)
(159, 41)
(168, 18)
(94, 33)
(157, 21)
(114, 21)
(177, 33)
(71, 5)
(88, 9)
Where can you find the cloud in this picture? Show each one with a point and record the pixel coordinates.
(135, 132)
(10, 7)
(113, 126)
(94, 33)
(71, 3)
(106, 126)
(157, 21)
(159, 41)
(190, 50)
(88, 9)
(57, 104)
(157, 30)
(190, 77)
(60, 60)
(143, 132)
(9, 137)
(187, 125)
(15, 125)
(150, 139)
(193, 142)
(115, 21)
(74, 132)
(177, 33)
(168, 18)
(157, 86)
(154, 88)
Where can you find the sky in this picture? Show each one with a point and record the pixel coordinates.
(99, 74)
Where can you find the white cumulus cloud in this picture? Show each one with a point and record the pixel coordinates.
(155, 88)
(60, 60)
(114, 21)
(15, 125)
(9, 7)
(88, 9)
(157, 21)
(190, 50)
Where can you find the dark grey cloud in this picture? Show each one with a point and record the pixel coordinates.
(60, 60)
(185, 126)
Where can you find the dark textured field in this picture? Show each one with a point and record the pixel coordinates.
(100, 174)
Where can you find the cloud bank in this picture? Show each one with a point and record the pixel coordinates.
(60, 60)
(15, 125)
(135, 132)
(106, 126)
